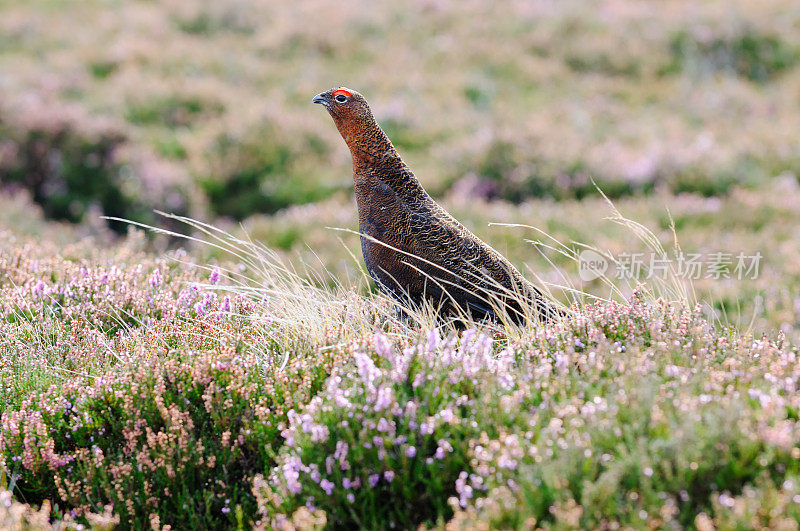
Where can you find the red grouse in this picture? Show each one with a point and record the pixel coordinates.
(414, 250)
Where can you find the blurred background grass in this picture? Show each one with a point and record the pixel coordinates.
(506, 111)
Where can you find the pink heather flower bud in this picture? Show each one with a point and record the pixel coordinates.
(39, 288)
(214, 277)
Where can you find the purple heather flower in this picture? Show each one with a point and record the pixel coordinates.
(504, 461)
(341, 450)
(433, 340)
(39, 288)
(327, 486)
(382, 346)
(463, 489)
(388, 475)
(291, 473)
(367, 370)
(385, 398)
(411, 451)
(214, 277)
(373, 479)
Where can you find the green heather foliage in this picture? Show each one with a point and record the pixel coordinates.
(170, 436)
(747, 53)
(172, 111)
(74, 166)
(66, 170)
(260, 173)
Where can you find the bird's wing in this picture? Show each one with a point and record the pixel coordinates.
(442, 240)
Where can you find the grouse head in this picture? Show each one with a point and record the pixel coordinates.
(352, 116)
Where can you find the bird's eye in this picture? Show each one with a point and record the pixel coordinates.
(341, 98)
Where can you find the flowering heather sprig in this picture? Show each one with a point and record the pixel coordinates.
(386, 425)
(85, 316)
(144, 437)
(18, 516)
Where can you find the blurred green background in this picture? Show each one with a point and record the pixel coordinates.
(507, 111)
(203, 106)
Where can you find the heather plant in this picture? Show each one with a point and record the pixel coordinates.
(257, 172)
(169, 438)
(140, 386)
(62, 316)
(640, 430)
(629, 414)
(385, 442)
(249, 393)
(743, 51)
(74, 165)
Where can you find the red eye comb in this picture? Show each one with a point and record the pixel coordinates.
(342, 92)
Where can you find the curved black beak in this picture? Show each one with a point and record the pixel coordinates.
(320, 98)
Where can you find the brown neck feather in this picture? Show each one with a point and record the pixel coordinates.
(374, 156)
